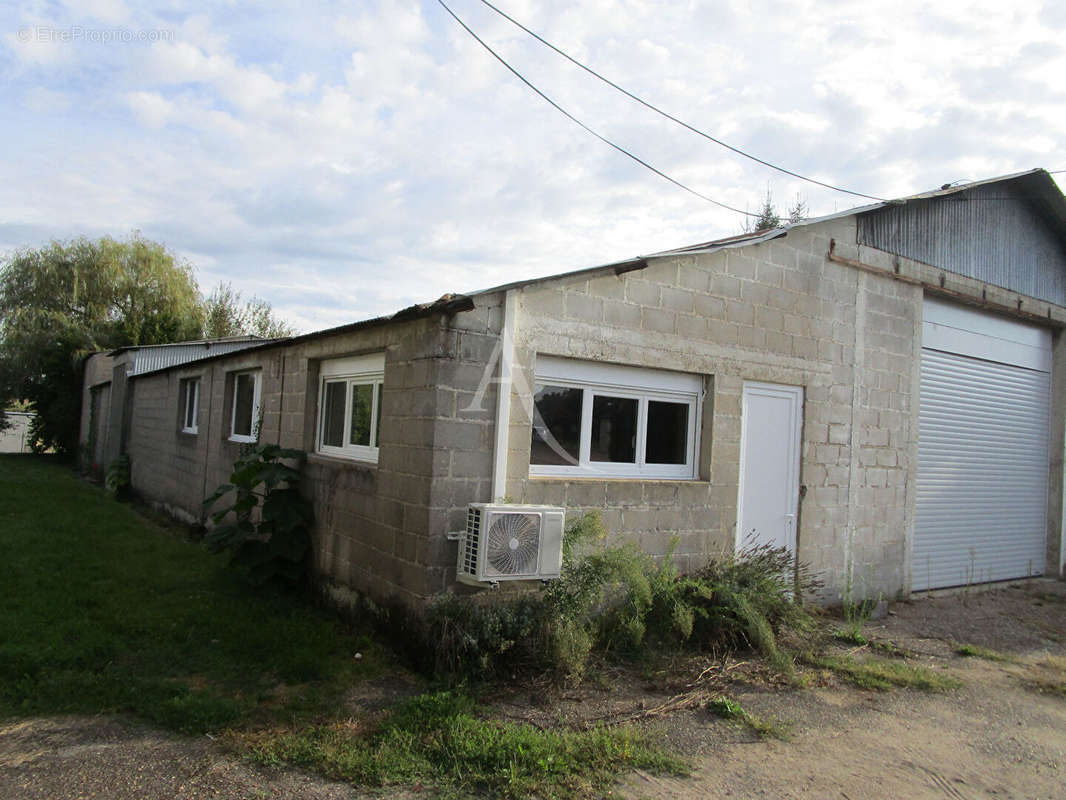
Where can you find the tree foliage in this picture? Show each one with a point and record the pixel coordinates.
(226, 315)
(60, 302)
(63, 301)
(768, 216)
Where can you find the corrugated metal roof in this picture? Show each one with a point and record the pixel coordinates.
(151, 358)
(447, 304)
(208, 342)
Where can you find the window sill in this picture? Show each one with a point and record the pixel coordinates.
(603, 479)
(338, 461)
(243, 439)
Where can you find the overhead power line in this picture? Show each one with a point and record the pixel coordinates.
(671, 117)
(576, 121)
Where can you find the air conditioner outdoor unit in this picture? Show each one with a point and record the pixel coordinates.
(510, 542)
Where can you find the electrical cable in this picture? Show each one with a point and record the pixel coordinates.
(578, 122)
(672, 118)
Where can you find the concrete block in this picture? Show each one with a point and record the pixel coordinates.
(680, 300)
(755, 293)
(770, 274)
(590, 494)
(741, 265)
(691, 326)
(693, 277)
(611, 287)
(740, 313)
(658, 321)
(642, 292)
(622, 315)
(709, 306)
(779, 343)
(751, 337)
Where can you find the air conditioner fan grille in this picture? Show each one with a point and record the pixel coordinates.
(513, 544)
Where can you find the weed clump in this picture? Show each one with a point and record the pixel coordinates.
(881, 675)
(618, 600)
(976, 651)
(438, 738)
(729, 709)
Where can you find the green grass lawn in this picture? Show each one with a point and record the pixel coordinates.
(105, 611)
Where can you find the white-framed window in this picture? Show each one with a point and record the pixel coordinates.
(592, 419)
(190, 404)
(244, 415)
(349, 406)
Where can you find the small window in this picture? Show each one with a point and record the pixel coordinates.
(350, 406)
(244, 420)
(190, 404)
(602, 420)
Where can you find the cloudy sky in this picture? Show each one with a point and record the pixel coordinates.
(345, 160)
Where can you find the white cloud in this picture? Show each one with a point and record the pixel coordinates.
(113, 11)
(43, 100)
(39, 43)
(344, 167)
(151, 108)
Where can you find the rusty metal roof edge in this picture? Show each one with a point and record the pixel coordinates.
(204, 342)
(584, 272)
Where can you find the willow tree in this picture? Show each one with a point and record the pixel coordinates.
(67, 299)
(226, 313)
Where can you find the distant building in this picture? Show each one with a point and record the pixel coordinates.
(106, 393)
(15, 437)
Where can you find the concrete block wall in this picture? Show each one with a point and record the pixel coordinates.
(166, 465)
(379, 528)
(96, 372)
(779, 312)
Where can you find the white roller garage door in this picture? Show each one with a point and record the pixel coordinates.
(981, 510)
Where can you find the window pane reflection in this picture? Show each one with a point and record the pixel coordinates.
(614, 429)
(556, 425)
(245, 399)
(667, 441)
(333, 415)
(362, 405)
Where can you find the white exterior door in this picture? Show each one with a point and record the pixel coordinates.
(771, 420)
(981, 509)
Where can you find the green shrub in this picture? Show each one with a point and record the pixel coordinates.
(269, 542)
(618, 600)
(747, 598)
(117, 479)
(472, 638)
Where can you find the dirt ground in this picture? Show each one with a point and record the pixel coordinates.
(1002, 735)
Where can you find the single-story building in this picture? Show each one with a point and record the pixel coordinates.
(882, 390)
(105, 402)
